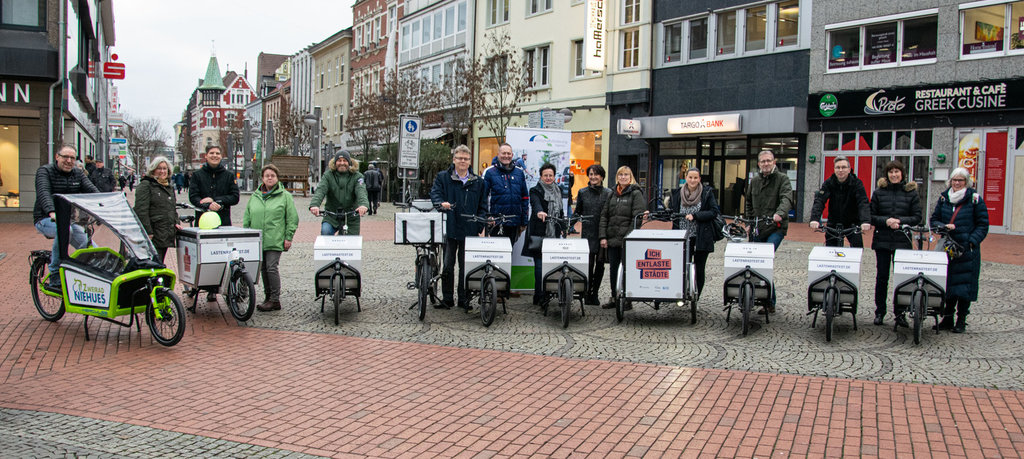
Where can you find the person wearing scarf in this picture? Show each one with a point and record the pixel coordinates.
(961, 210)
(545, 202)
(699, 207)
(154, 205)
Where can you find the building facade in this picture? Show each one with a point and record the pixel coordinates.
(935, 85)
(374, 26)
(331, 86)
(218, 112)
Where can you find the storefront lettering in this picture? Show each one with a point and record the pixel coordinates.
(20, 92)
(875, 105)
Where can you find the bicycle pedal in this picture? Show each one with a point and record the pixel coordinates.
(410, 286)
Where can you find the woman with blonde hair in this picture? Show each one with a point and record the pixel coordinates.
(626, 202)
(272, 209)
(154, 204)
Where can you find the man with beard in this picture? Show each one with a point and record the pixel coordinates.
(345, 190)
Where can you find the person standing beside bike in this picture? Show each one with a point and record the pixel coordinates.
(769, 193)
(700, 209)
(545, 203)
(60, 176)
(458, 191)
(213, 187)
(847, 204)
(590, 200)
(625, 202)
(962, 211)
(893, 204)
(508, 194)
(374, 183)
(155, 206)
(272, 210)
(345, 190)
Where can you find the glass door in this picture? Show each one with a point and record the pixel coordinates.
(1015, 175)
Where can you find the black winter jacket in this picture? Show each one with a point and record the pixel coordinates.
(537, 228)
(103, 178)
(468, 198)
(50, 181)
(217, 183)
(894, 200)
(617, 215)
(154, 205)
(971, 228)
(704, 217)
(847, 202)
(589, 201)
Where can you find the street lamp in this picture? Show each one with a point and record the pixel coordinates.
(313, 121)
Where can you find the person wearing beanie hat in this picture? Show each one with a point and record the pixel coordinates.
(342, 189)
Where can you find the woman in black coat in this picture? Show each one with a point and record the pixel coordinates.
(545, 202)
(961, 210)
(697, 202)
(624, 204)
(590, 200)
(893, 204)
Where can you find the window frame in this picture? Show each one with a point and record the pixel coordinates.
(637, 11)
(635, 49)
(41, 16)
(530, 59)
(1007, 26)
(576, 49)
(862, 25)
(543, 6)
(493, 8)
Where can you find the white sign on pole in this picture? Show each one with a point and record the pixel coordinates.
(594, 33)
(409, 142)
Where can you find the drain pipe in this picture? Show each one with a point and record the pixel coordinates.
(62, 44)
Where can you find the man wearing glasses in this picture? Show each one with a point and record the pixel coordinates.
(769, 193)
(60, 176)
(847, 204)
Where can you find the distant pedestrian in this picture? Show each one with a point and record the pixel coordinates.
(131, 182)
(179, 182)
(102, 177)
(188, 178)
(374, 181)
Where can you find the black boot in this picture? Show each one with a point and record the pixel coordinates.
(961, 324)
(946, 323)
(879, 318)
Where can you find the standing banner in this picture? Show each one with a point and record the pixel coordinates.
(533, 148)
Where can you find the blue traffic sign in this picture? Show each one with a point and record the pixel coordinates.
(118, 140)
(411, 126)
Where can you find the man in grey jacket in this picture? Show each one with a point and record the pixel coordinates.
(769, 193)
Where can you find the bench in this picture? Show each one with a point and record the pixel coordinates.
(294, 172)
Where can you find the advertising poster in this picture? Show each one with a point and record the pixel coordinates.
(967, 153)
(534, 147)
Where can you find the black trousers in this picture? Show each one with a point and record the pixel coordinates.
(883, 265)
(510, 232)
(454, 249)
(960, 306)
(615, 256)
(374, 198)
(595, 272)
(856, 240)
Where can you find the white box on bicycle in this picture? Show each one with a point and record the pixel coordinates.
(347, 248)
(844, 260)
(906, 264)
(555, 252)
(204, 254)
(760, 256)
(654, 264)
(480, 250)
(419, 227)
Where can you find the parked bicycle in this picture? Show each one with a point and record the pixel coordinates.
(748, 269)
(488, 273)
(833, 277)
(424, 229)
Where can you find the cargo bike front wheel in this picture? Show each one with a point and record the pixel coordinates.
(165, 317)
(241, 295)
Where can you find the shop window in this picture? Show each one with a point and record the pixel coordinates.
(848, 141)
(903, 140)
(756, 27)
(885, 140)
(866, 141)
(830, 141)
(992, 30)
(9, 186)
(1020, 138)
(922, 140)
(902, 39)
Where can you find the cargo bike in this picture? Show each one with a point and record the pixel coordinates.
(423, 227)
(919, 277)
(657, 267)
(223, 260)
(101, 281)
(488, 267)
(564, 267)
(337, 260)
(833, 274)
(749, 270)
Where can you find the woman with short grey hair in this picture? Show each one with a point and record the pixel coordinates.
(154, 204)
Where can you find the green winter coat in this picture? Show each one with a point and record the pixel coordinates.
(344, 193)
(274, 214)
(154, 204)
(771, 195)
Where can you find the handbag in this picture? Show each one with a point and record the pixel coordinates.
(536, 243)
(718, 224)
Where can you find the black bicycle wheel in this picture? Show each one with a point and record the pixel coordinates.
(423, 275)
(488, 301)
(336, 294)
(747, 304)
(830, 312)
(50, 307)
(241, 296)
(620, 301)
(917, 303)
(565, 299)
(693, 298)
(166, 318)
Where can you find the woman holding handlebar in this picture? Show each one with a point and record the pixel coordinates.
(700, 208)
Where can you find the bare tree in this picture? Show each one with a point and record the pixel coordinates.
(145, 137)
(186, 145)
(505, 81)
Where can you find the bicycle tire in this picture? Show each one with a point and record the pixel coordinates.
(917, 303)
(241, 296)
(620, 301)
(50, 307)
(694, 296)
(565, 299)
(488, 301)
(830, 312)
(336, 295)
(747, 304)
(172, 318)
(423, 285)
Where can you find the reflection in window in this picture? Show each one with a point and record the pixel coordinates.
(844, 48)
(756, 27)
(787, 26)
(885, 140)
(727, 33)
(699, 38)
(903, 140)
(830, 142)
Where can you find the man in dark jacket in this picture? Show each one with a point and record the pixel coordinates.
(847, 204)
(102, 177)
(769, 193)
(342, 189)
(508, 193)
(60, 176)
(589, 202)
(374, 182)
(460, 192)
(213, 187)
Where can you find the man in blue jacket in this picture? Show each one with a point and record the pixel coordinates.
(508, 194)
(459, 192)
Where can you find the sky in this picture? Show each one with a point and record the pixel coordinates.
(166, 46)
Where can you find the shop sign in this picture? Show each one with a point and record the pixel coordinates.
(12, 93)
(704, 124)
(595, 36)
(965, 97)
(629, 127)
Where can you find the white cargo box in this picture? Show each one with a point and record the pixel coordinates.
(480, 250)
(204, 254)
(845, 261)
(760, 256)
(556, 251)
(419, 228)
(346, 248)
(422, 205)
(655, 264)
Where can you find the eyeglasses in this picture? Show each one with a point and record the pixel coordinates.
(462, 158)
(765, 161)
(68, 157)
(958, 180)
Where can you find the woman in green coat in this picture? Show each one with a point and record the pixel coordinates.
(272, 209)
(154, 204)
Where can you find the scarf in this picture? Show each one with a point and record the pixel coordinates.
(620, 189)
(956, 196)
(163, 181)
(690, 198)
(553, 196)
(266, 191)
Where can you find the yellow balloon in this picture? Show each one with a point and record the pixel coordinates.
(209, 220)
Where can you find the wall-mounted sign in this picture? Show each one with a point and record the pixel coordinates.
(629, 127)
(703, 124)
(958, 97)
(110, 70)
(595, 37)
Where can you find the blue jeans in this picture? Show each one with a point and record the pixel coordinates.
(327, 229)
(48, 228)
(776, 239)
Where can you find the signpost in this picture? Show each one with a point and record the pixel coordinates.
(410, 127)
(118, 140)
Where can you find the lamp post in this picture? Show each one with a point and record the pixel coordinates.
(313, 121)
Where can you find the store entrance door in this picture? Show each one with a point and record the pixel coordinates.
(1015, 176)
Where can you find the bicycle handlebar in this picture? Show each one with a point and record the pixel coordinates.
(345, 215)
(838, 232)
(497, 219)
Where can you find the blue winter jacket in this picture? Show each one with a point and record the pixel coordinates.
(469, 198)
(971, 228)
(509, 194)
